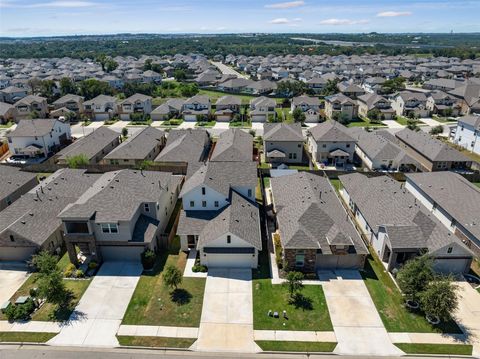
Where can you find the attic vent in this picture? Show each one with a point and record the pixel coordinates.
(112, 187)
(31, 214)
(23, 222)
(117, 180)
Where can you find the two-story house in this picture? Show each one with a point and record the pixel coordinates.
(227, 107)
(12, 94)
(170, 109)
(196, 107)
(330, 143)
(136, 104)
(467, 133)
(121, 215)
(262, 109)
(408, 103)
(8, 113)
(339, 105)
(71, 102)
(220, 218)
(283, 143)
(101, 108)
(310, 106)
(443, 104)
(15, 183)
(373, 102)
(350, 90)
(32, 105)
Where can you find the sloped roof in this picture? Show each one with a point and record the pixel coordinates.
(139, 146)
(33, 128)
(184, 146)
(330, 131)
(233, 145)
(282, 132)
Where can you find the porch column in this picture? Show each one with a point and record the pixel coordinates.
(72, 253)
(93, 248)
(391, 261)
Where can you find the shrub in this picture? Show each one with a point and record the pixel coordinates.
(148, 259)
(79, 273)
(92, 265)
(440, 299)
(172, 277)
(278, 250)
(69, 270)
(20, 311)
(414, 276)
(199, 268)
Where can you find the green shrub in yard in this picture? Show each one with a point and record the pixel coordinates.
(148, 259)
(92, 265)
(20, 311)
(278, 250)
(79, 273)
(199, 268)
(440, 298)
(69, 270)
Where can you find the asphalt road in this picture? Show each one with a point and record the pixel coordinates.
(44, 352)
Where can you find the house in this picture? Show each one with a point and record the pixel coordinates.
(71, 102)
(93, 147)
(8, 113)
(350, 90)
(330, 143)
(39, 137)
(227, 107)
(15, 183)
(371, 102)
(432, 154)
(310, 106)
(378, 153)
(442, 84)
(469, 98)
(442, 104)
(453, 200)
(121, 215)
(233, 145)
(143, 146)
(260, 87)
(234, 85)
(399, 227)
(30, 224)
(12, 94)
(185, 147)
(220, 218)
(196, 107)
(113, 81)
(316, 84)
(101, 108)
(135, 105)
(315, 231)
(410, 104)
(283, 142)
(339, 105)
(32, 105)
(150, 76)
(467, 133)
(262, 109)
(170, 109)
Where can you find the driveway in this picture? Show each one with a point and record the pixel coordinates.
(119, 125)
(468, 314)
(227, 314)
(356, 322)
(97, 317)
(11, 279)
(393, 124)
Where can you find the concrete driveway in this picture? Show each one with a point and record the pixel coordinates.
(11, 279)
(393, 124)
(468, 314)
(119, 125)
(356, 322)
(97, 317)
(227, 314)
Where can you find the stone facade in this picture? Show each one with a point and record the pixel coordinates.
(309, 262)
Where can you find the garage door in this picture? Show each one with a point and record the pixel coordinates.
(16, 253)
(455, 266)
(121, 253)
(229, 260)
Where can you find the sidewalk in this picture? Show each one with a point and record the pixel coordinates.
(192, 255)
(430, 338)
(158, 331)
(31, 326)
(294, 336)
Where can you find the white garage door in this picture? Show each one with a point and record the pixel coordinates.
(116, 253)
(455, 266)
(229, 260)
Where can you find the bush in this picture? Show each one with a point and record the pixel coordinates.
(440, 299)
(148, 259)
(69, 270)
(79, 273)
(20, 311)
(199, 268)
(92, 265)
(278, 250)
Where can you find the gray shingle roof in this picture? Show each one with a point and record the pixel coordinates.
(139, 146)
(32, 128)
(233, 145)
(184, 146)
(471, 120)
(310, 214)
(330, 131)
(12, 179)
(282, 132)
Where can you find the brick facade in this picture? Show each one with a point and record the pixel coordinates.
(310, 259)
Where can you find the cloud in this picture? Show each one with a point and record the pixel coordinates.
(394, 13)
(285, 5)
(339, 22)
(63, 4)
(285, 21)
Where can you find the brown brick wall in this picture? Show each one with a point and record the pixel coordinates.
(310, 258)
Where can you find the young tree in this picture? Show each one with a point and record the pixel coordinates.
(77, 161)
(298, 115)
(172, 276)
(67, 86)
(124, 132)
(52, 288)
(440, 298)
(414, 276)
(436, 130)
(294, 283)
(412, 125)
(44, 262)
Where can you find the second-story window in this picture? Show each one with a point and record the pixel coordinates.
(216, 203)
(192, 204)
(229, 239)
(204, 203)
(110, 228)
(249, 193)
(146, 207)
(203, 191)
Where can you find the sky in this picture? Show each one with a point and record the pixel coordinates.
(26, 18)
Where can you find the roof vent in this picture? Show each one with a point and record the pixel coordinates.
(23, 222)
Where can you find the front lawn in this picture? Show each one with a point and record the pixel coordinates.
(309, 313)
(207, 124)
(140, 123)
(452, 349)
(7, 125)
(404, 121)
(155, 342)
(308, 347)
(363, 122)
(240, 124)
(172, 123)
(477, 184)
(153, 304)
(25, 337)
(390, 303)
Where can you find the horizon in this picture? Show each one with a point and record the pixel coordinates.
(57, 18)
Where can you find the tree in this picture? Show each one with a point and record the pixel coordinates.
(180, 75)
(393, 85)
(110, 65)
(188, 90)
(124, 132)
(77, 161)
(172, 276)
(91, 88)
(294, 283)
(330, 88)
(440, 298)
(67, 86)
(414, 276)
(290, 88)
(147, 65)
(44, 262)
(436, 130)
(298, 115)
(101, 59)
(52, 288)
(34, 84)
(47, 89)
(374, 115)
(412, 125)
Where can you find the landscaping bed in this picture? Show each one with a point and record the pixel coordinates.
(453, 349)
(240, 124)
(140, 123)
(25, 337)
(172, 123)
(155, 342)
(207, 124)
(288, 346)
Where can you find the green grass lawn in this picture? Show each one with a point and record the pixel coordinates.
(86, 123)
(477, 184)
(310, 347)
(25, 337)
(172, 123)
(155, 342)
(207, 124)
(284, 114)
(153, 304)
(50, 312)
(240, 124)
(390, 304)
(258, 192)
(363, 122)
(404, 121)
(309, 314)
(266, 182)
(453, 349)
(215, 95)
(299, 168)
(7, 125)
(336, 183)
(140, 123)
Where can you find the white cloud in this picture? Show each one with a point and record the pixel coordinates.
(339, 22)
(285, 21)
(394, 13)
(285, 5)
(63, 4)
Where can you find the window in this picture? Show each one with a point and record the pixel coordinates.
(249, 193)
(204, 203)
(109, 228)
(216, 203)
(146, 207)
(192, 204)
(203, 191)
(294, 156)
(229, 239)
(348, 145)
(450, 250)
(300, 258)
(299, 145)
(12, 239)
(324, 145)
